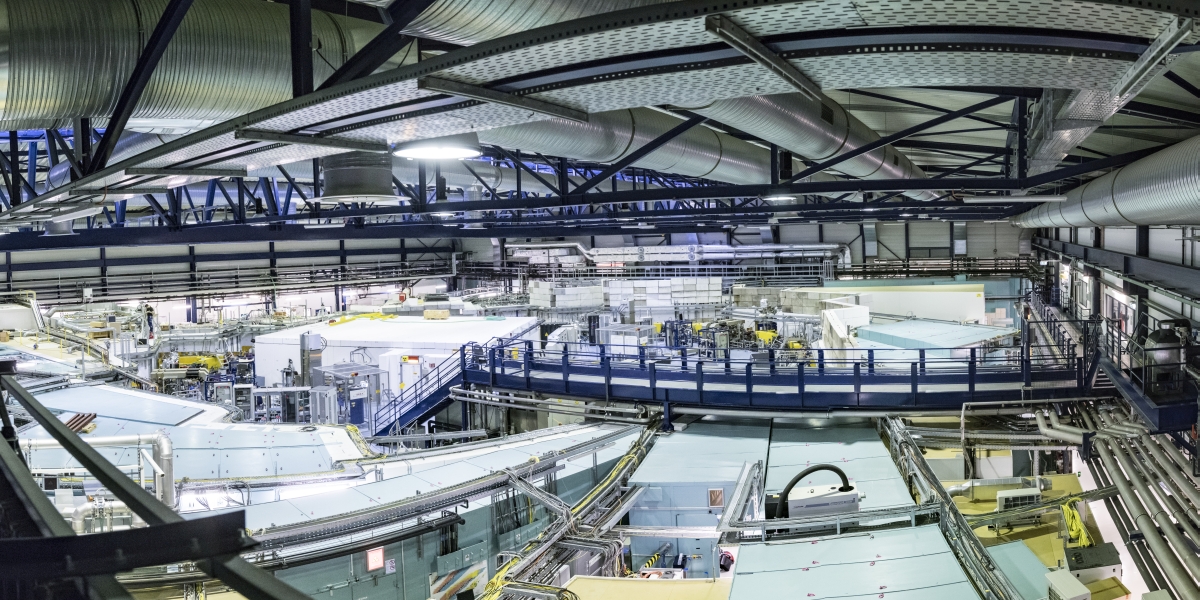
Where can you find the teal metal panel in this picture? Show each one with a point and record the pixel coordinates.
(909, 563)
(1022, 568)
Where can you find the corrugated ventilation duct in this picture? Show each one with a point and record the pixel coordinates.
(66, 59)
(609, 136)
(468, 22)
(814, 130)
(1161, 189)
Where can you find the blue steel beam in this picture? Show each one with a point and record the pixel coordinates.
(156, 45)
(67, 151)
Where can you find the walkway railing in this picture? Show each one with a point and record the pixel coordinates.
(398, 413)
(812, 379)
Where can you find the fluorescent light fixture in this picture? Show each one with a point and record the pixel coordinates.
(324, 225)
(77, 214)
(905, 214)
(442, 214)
(778, 198)
(870, 209)
(463, 145)
(1011, 199)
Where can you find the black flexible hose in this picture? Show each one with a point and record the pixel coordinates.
(781, 508)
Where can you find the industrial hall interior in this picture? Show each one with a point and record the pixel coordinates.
(599, 299)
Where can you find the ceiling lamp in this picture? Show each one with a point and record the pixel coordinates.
(463, 145)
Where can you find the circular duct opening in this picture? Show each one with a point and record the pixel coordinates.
(361, 176)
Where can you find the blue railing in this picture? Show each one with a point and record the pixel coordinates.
(415, 400)
(447, 373)
(819, 378)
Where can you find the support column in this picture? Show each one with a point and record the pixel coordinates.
(300, 30)
(14, 159)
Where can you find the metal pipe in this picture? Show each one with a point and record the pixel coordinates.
(1184, 513)
(80, 513)
(164, 455)
(1046, 430)
(827, 414)
(1057, 424)
(1180, 577)
(547, 407)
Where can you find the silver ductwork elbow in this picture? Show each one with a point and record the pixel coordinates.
(1160, 189)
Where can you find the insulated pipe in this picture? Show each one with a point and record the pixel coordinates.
(1184, 483)
(80, 514)
(1061, 427)
(1057, 434)
(1182, 580)
(817, 130)
(1160, 189)
(1190, 516)
(164, 454)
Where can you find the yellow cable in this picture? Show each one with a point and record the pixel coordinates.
(1075, 526)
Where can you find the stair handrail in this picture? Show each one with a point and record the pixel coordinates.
(447, 371)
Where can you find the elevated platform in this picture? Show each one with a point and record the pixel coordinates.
(813, 383)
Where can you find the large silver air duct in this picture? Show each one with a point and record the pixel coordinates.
(1161, 189)
(817, 130)
(609, 136)
(66, 59)
(467, 22)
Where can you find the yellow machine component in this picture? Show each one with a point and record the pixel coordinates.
(658, 328)
(795, 345)
(211, 363)
(766, 337)
(375, 316)
(696, 327)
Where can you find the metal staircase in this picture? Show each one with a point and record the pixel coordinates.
(429, 394)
